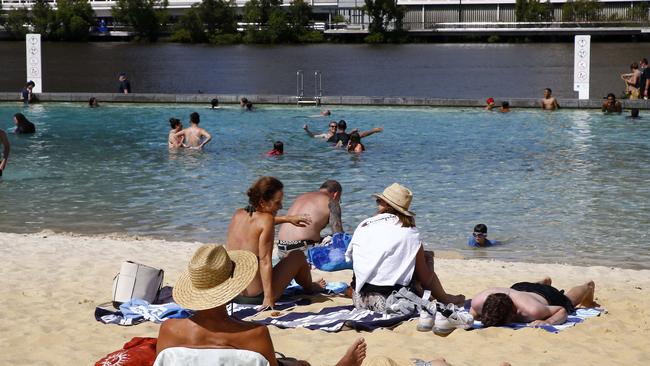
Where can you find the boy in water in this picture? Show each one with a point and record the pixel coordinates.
(174, 142)
(479, 237)
(549, 102)
(195, 136)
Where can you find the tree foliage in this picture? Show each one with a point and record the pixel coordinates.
(42, 17)
(209, 20)
(147, 18)
(72, 20)
(533, 11)
(17, 22)
(581, 11)
(382, 13)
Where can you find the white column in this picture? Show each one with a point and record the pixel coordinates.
(581, 60)
(34, 70)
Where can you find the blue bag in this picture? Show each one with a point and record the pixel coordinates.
(331, 257)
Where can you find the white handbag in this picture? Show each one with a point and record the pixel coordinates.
(137, 281)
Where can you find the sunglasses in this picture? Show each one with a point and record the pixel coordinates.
(483, 235)
(380, 201)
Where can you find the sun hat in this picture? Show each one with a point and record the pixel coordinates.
(214, 276)
(398, 197)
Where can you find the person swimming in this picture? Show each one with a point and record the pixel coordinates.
(278, 149)
(355, 145)
(214, 104)
(195, 136)
(174, 141)
(92, 102)
(23, 125)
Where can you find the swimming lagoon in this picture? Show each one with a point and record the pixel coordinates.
(565, 187)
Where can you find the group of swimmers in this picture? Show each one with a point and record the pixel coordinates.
(548, 102)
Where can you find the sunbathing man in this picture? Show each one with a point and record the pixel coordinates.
(212, 279)
(253, 229)
(322, 207)
(535, 303)
(195, 136)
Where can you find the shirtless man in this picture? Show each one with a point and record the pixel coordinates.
(173, 141)
(325, 136)
(323, 207)
(535, 303)
(549, 102)
(195, 136)
(207, 291)
(4, 140)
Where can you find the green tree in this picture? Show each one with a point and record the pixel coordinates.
(299, 15)
(581, 11)
(189, 28)
(42, 18)
(17, 23)
(382, 13)
(533, 11)
(72, 20)
(278, 30)
(218, 16)
(146, 17)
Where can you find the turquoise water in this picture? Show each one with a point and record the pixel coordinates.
(568, 186)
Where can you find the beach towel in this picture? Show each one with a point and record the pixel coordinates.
(136, 352)
(334, 319)
(181, 356)
(575, 318)
(137, 311)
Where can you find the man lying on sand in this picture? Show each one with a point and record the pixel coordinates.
(213, 278)
(538, 303)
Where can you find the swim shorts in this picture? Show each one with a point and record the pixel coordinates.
(287, 246)
(554, 296)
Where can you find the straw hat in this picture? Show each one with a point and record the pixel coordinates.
(398, 197)
(214, 276)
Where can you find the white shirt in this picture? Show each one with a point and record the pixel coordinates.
(383, 252)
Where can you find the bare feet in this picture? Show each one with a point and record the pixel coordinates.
(588, 300)
(318, 286)
(453, 299)
(355, 354)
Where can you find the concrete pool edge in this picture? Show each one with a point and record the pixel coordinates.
(325, 100)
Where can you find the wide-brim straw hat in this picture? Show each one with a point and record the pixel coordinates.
(214, 276)
(398, 197)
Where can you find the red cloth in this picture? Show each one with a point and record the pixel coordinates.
(139, 351)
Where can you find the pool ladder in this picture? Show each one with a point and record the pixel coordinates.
(300, 88)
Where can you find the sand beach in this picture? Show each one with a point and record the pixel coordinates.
(51, 284)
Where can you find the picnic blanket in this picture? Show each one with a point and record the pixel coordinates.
(576, 317)
(336, 318)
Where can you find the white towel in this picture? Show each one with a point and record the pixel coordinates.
(383, 252)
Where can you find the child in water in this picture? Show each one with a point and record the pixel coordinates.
(278, 149)
(479, 237)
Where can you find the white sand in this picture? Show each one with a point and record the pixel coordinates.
(52, 283)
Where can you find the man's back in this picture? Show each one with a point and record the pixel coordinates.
(193, 135)
(314, 204)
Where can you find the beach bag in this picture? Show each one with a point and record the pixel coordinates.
(331, 257)
(136, 281)
(137, 352)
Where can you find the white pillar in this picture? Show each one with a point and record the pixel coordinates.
(34, 69)
(581, 60)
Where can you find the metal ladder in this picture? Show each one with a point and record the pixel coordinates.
(300, 88)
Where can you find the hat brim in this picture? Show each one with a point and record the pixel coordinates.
(393, 204)
(190, 297)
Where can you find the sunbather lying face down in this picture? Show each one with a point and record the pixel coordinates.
(538, 303)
